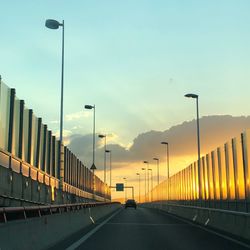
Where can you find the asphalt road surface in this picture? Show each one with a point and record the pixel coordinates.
(148, 229)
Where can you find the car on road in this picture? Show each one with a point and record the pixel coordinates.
(130, 203)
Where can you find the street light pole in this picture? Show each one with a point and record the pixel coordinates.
(105, 142)
(93, 167)
(167, 156)
(198, 138)
(144, 169)
(146, 162)
(92, 107)
(125, 180)
(139, 187)
(150, 169)
(158, 176)
(110, 170)
(53, 24)
(167, 160)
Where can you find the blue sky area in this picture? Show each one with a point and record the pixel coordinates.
(134, 59)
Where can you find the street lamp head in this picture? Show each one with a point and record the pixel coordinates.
(107, 151)
(89, 106)
(191, 96)
(137, 173)
(164, 142)
(143, 169)
(156, 159)
(101, 136)
(150, 169)
(52, 24)
(145, 161)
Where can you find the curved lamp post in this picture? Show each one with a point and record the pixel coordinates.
(110, 169)
(105, 143)
(145, 189)
(54, 24)
(158, 175)
(151, 170)
(194, 96)
(125, 180)
(93, 167)
(146, 162)
(139, 178)
(167, 160)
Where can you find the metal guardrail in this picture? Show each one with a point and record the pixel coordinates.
(2, 196)
(19, 166)
(205, 209)
(23, 213)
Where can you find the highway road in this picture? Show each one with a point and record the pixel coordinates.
(148, 229)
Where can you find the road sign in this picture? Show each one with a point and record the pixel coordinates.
(93, 167)
(119, 186)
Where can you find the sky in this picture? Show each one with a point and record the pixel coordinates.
(134, 60)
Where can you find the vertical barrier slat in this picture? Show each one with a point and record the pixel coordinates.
(21, 127)
(230, 171)
(246, 162)
(220, 174)
(38, 143)
(16, 128)
(215, 175)
(29, 135)
(11, 119)
(203, 178)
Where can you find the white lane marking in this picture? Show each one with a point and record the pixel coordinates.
(147, 224)
(207, 221)
(90, 233)
(92, 219)
(208, 230)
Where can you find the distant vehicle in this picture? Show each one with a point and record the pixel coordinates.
(130, 203)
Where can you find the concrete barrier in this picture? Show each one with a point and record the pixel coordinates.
(230, 222)
(45, 231)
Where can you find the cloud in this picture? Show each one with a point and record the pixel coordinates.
(76, 116)
(214, 131)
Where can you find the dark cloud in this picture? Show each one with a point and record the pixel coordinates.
(214, 131)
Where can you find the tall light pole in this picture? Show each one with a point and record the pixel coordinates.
(92, 107)
(167, 160)
(145, 189)
(198, 136)
(151, 170)
(125, 182)
(93, 167)
(146, 162)
(105, 145)
(158, 171)
(53, 24)
(158, 175)
(167, 155)
(139, 178)
(110, 169)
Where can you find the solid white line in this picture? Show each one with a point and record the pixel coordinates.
(147, 224)
(90, 233)
(208, 230)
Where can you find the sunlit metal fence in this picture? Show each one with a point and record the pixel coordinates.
(25, 138)
(222, 179)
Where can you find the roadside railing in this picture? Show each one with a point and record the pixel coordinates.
(22, 213)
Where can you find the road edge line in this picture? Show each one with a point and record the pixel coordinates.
(207, 229)
(90, 233)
